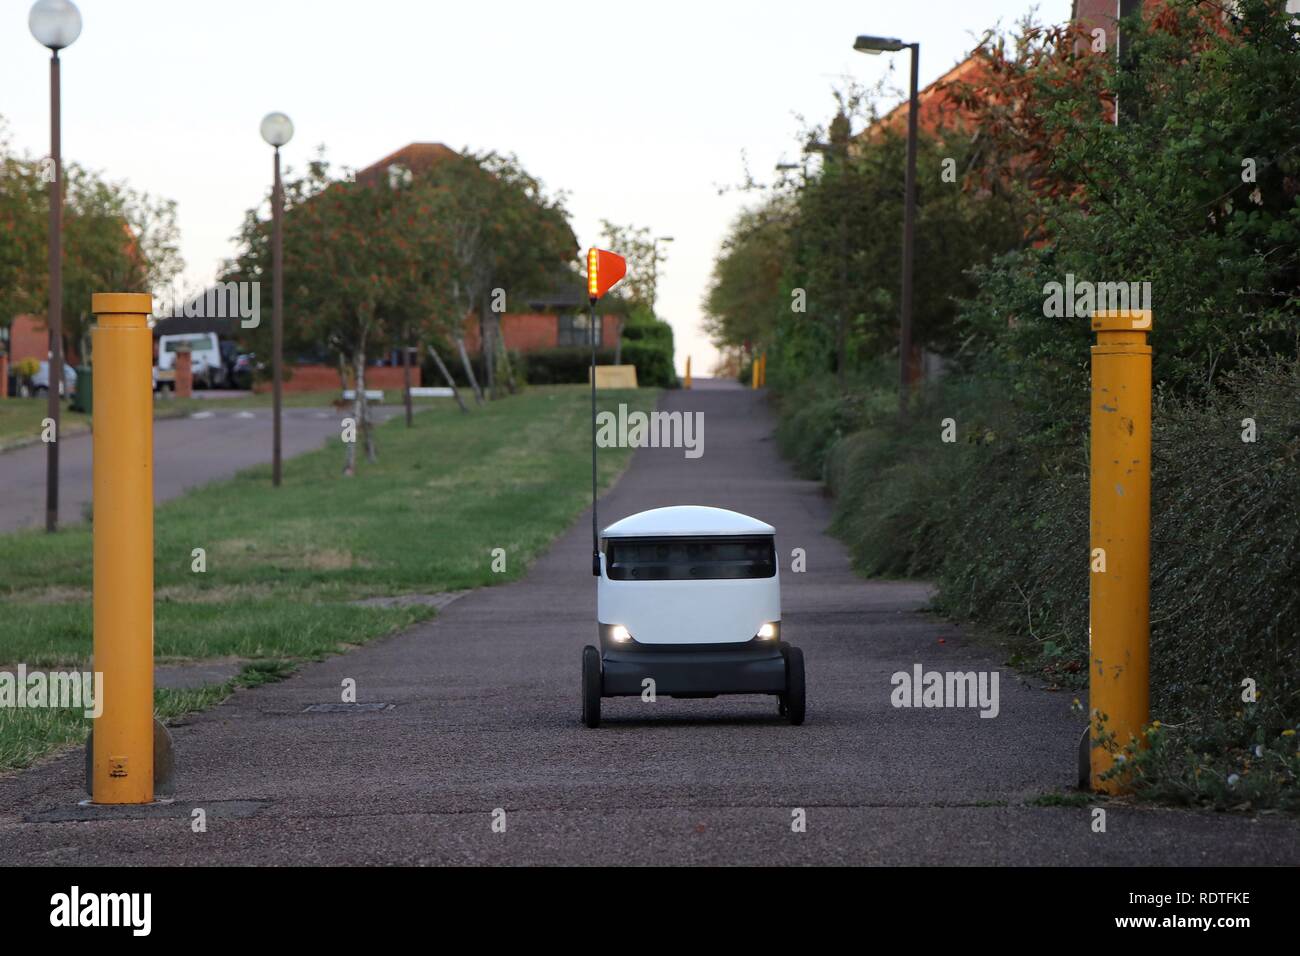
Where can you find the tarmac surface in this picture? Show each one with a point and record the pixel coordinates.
(188, 452)
(475, 722)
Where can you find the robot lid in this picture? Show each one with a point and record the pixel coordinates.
(687, 521)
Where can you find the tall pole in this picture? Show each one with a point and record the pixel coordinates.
(1119, 604)
(122, 755)
(595, 533)
(406, 379)
(55, 319)
(909, 242)
(277, 313)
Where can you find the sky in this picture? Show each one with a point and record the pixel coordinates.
(639, 113)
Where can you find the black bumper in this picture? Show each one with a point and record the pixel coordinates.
(694, 672)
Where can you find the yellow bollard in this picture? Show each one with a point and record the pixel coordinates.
(687, 383)
(123, 740)
(1119, 538)
(753, 371)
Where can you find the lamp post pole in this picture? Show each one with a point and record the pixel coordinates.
(55, 24)
(277, 314)
(277, 130)
(55, 320)
(909, 243)
(876, 45)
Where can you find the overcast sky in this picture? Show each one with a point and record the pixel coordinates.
(640, 112)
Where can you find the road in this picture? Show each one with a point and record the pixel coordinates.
(188, 452)
(485, 718)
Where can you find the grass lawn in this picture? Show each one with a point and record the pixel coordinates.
(20, 420)
(282, 566)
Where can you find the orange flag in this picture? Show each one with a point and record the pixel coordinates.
(604, 270)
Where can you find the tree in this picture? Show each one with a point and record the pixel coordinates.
(114, 238)
(22, 234)
(351, 258)
(746, 297)
(503, 231)
(640, 289)
(1196, 192)
(811, 274)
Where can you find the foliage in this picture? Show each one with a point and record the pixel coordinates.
(999, 518)
(285, 568)
(372, 264)
(114, 238)
(789, 278)
(24, 369)
(1197, 192)
(494, 227)
(570, 364)
(645, 258)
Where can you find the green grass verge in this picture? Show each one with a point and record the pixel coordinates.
(27, 735)
(282, 566)
(20, 421)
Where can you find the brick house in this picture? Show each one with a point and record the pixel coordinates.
(546, 320)
(549, 320)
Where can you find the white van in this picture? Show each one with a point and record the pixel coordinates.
(205, 358)
(689, 597)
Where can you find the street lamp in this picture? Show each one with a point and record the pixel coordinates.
(277, 130)
(56, 24)
(876, 46)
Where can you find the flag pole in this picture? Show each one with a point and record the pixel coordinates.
(595, 534)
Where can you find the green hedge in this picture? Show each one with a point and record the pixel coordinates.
(999, 519)
(654, 366)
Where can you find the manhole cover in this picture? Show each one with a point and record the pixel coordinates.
(347, 708)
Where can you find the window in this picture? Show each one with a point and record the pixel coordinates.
(690, 559)
(196, 343)
(573, 330)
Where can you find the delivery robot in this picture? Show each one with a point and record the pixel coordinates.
(688, 604)
(688, 598)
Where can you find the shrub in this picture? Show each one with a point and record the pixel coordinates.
(1000, 520)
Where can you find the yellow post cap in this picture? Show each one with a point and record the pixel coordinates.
(121, 303)
(1121, 320)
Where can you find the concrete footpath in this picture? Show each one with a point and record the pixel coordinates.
(477, 712)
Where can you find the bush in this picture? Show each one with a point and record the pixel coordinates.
(999, 519)
(654, 363)
(648, 344)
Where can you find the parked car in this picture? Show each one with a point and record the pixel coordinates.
(205, 358)
(41, 380)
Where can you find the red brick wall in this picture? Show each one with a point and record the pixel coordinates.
(325, 378)
(28, 338)
(528, 332)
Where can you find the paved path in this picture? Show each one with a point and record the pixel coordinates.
(188, 452)
(486, 717)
